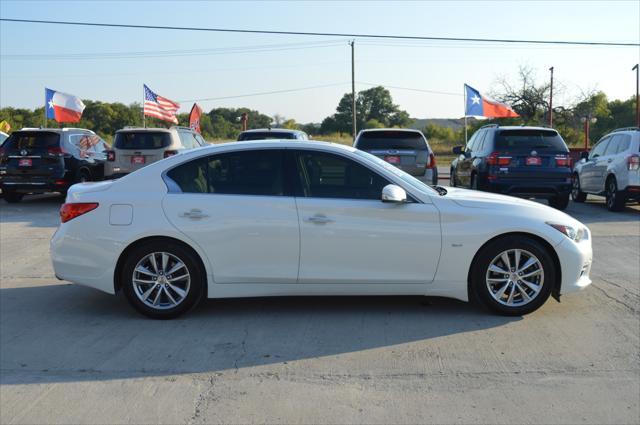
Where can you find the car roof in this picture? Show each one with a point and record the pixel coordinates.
(521, 127)
(55, 130)
(275, 143)
(138, 129)
(266, 130)
(408, 130)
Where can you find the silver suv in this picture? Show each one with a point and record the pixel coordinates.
(405, 148)
(135, 147)
(612, 169)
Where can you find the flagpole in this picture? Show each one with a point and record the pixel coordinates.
(464, 95)
(144, 121)
(45, 109)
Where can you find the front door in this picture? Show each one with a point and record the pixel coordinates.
(348, 235)
(233, 205)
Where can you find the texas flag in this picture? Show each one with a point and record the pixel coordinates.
(481, 106)
(63, 107)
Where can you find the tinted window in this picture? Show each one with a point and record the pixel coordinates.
(142, 140)
(529, 140)
(372, 140)
(472, 141)
(480, 143)
(239, 173)
(325, 175)
(262, 135)
(599, 149)
(32, 140)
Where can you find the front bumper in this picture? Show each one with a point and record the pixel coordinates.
(575, 264)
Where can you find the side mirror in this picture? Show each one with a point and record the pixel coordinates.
(457, 150)
(393, 193)
(584, 155)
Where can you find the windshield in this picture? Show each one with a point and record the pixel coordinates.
(263, 135)
(407, 178)
(142, 140)
(530, 139)
(399, 140)
(32, 140)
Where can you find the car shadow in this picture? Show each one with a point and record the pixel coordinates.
(65, 333)
(35, 210)
(594, 210)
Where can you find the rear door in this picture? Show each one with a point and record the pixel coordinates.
(235, 207)
(135, 149)
(406, 150)
(33, 157)
(349, 236)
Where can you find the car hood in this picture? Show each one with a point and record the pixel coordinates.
(508, 204)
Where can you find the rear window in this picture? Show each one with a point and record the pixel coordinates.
(529, 140)
(142, 140)
(262, 135)
(399, 140)
(32, 140)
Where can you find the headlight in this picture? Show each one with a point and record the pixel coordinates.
(570, 232)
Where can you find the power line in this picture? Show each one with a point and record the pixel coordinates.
(173, 53)
(264, 93)
(412, 89)
(327, 34)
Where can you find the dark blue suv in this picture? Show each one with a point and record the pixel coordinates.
(530, 162)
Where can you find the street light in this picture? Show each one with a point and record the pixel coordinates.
(587, 119)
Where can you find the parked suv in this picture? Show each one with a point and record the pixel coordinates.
(40, 160)
(275, 133)
(407, 149)
(612, 168)
(135, 147)
(531, 162)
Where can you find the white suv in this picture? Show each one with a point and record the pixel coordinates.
(612, 168)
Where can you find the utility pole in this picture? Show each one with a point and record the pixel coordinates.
(635, 68)
(353, 88)
(551, 100)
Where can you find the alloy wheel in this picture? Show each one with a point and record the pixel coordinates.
(161, 280)
(515, 277)
(611, 193)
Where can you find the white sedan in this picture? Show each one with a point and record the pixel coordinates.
(274, 218)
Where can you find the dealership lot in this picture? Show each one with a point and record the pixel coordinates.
(69, 354)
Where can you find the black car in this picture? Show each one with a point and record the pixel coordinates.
(530, 162)
(42, 160)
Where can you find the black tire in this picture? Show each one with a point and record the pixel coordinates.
(615, 198)
(452, 178)
(12, 197)
(576, 193)
(479, 286)
(194, 292)
(560, 202)
(83, 175)
(474, 182)
(435, 176)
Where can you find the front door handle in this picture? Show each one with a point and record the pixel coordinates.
(319, 219)
(194, 214)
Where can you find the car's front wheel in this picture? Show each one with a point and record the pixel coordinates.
(513, 275)
(162, 279)
(576, 190)
(12, 197)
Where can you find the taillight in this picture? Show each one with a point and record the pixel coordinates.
(167, 154)
(432, 161)
(111, 156)
(633, 162)
(71, 211)
(496, 159)
(56, 151)
(563, 161)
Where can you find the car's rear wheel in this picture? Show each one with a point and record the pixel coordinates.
(83, 176)
(12, 197)
(513, 275)
(162, 280)
(559, 202)
(615, 198)
(452, 177)
(576, 190)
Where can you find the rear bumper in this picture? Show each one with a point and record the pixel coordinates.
(534, 189)
(35, 185)
(633, 192)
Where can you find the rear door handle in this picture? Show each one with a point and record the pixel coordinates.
(194, 214)
(319, 219)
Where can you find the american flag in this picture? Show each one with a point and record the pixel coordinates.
(159, 107)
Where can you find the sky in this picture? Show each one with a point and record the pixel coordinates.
(111, 64)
